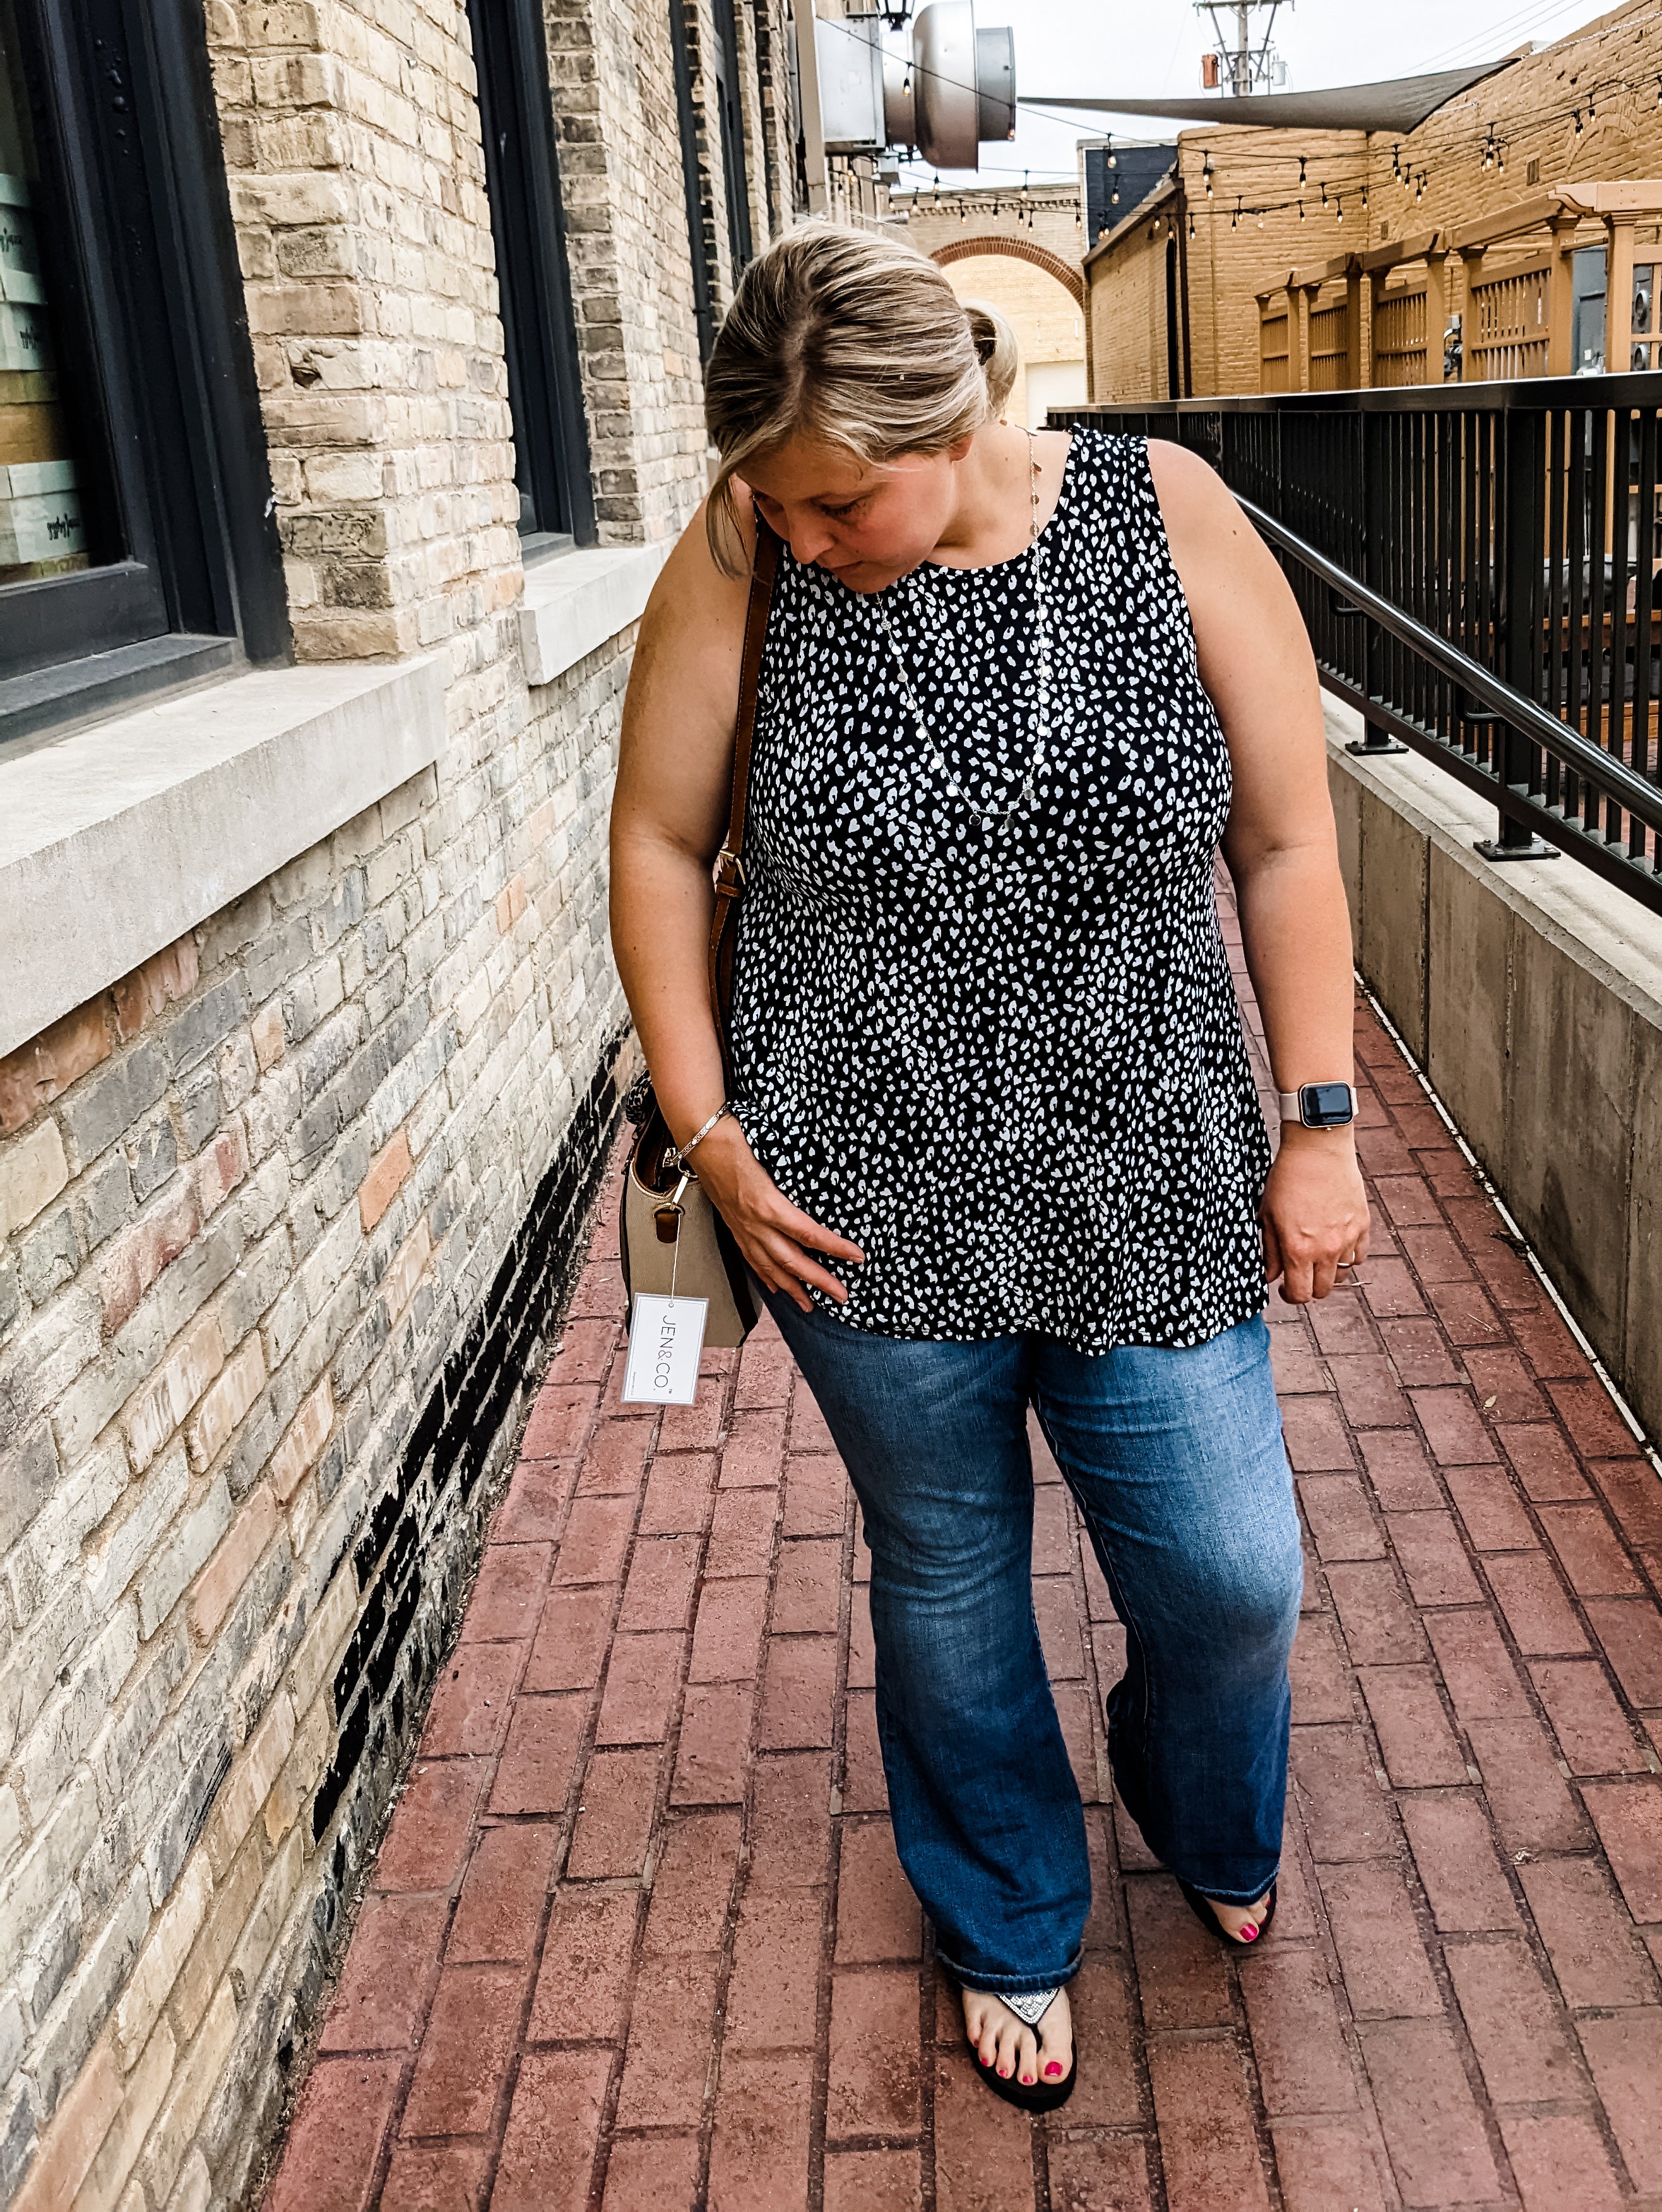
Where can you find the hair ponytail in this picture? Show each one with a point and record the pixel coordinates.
(996, 347)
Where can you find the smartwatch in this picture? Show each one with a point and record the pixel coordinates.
(1321, 1105)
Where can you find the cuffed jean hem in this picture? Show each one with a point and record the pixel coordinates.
(1231, 1897)
(1015, 1985)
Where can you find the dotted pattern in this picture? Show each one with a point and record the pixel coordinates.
(1005, 1059)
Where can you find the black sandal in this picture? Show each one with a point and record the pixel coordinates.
(1201, 1905)
(1030, 2007)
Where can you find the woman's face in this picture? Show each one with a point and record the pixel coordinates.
(868, 523)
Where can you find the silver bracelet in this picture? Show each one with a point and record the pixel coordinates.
(725, 1108)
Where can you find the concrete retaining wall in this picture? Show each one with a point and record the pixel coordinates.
(1532, 995)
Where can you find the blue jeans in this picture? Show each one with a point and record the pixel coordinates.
(1177, 1462)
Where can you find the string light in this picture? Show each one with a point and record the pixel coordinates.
(1338, 208)
(1578, 123)
(1300, 210)
(1191, 222)
(1301, 165)
(1206, 175)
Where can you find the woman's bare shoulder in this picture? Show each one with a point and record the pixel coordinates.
(694, 589)
(1192, 495)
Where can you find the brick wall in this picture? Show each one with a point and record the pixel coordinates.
(1612, 66)
(288, 1214)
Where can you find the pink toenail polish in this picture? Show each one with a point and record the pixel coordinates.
(1249, 1932)
(1026, 2081)
(1053, 2069)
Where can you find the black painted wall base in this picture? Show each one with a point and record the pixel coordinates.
(414, 1556)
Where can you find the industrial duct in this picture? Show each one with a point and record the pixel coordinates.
(939, 90)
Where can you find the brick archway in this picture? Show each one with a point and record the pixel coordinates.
(1018, 249)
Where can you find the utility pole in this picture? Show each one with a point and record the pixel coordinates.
(1241, 65)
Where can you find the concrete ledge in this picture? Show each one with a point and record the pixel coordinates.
(116, 839)
(1532, 993)
(576, 602)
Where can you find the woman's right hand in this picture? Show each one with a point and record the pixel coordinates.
(777, 1239)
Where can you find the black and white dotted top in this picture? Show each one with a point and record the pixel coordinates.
(1005, 1059)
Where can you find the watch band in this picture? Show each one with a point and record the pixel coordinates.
(1292, 1105)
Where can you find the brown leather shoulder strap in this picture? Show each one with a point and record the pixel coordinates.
(729, 861)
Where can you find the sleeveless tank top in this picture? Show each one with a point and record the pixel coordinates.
(1006, 1060)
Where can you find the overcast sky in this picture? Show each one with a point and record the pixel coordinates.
(1151, 49)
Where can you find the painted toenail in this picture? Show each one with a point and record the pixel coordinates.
(1249, 1932)
(1053, 2069)
(1027, 2081)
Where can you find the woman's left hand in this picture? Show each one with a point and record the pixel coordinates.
(1314, 1214)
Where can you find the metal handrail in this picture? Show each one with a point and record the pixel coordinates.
(1611, 777)
(1497, 548)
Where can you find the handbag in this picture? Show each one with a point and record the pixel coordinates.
(670, 1236)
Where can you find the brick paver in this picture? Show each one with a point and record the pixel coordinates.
(637, 1941)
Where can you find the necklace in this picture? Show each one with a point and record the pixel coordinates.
(927, 743)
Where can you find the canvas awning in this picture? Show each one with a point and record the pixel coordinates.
(1400, 103)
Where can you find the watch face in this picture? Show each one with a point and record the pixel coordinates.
(1325, 1105)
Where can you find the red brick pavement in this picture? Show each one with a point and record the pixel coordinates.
(637, 1941)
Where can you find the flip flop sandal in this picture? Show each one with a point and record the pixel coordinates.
(1030, 2007)
(1200, 1906)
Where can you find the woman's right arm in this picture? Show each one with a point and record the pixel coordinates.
(669, 814)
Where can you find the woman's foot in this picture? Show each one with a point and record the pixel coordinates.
(1242, 1924)
(1041, 2056)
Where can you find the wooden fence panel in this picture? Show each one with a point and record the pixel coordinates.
(1400, 338)
(1506, 330)
(1329, 349)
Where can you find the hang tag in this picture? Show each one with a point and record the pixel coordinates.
(665, 1336)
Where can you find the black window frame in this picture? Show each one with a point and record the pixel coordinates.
(540, 329)
(735, 175)
(692, 182)
(145, 301)
(729, 125)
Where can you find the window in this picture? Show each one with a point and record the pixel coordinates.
(729, 122)
(734, 178)
(136, 542)
(544, 394)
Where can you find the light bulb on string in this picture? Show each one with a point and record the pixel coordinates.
(1300, 210)
(1301, 166)
(1578, 123)
(1206, 175)
(1364, 196)
(1191, 222)
(1338, 208)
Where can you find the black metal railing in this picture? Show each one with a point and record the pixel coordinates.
(1480, 566)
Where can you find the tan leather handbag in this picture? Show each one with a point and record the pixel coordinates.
(669, 1233)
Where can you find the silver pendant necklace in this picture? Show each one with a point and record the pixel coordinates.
(1025, 798)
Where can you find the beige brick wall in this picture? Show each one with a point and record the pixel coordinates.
(1048, 322)
(258, 1199)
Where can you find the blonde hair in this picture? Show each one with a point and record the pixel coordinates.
(854, 339)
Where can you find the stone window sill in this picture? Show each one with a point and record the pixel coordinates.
(116, 839)
(577, 602)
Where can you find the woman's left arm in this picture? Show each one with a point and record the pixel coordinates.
(1255, 663)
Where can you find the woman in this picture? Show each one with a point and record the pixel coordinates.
(994, 1140)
